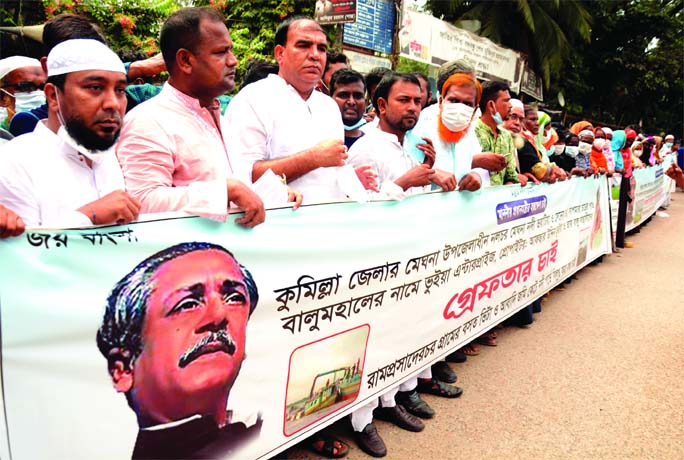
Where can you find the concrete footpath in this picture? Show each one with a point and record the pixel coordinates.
(599, 375)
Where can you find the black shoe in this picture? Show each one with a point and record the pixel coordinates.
(442, 371)
(370, 441)
(537, 306)
(413, 403)
(457, 357)
(399, 417)
(438, 388)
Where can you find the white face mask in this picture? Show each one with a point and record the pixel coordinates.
(584, 148)
(558, 149)
(96, 156)
(571, 151)
(599, 143)
(23, 102)
(456, 116)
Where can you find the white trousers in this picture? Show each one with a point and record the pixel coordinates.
(364, 414)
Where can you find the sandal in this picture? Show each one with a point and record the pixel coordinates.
(437, 388)
(470, 350)
(486, 339)
(328, 446)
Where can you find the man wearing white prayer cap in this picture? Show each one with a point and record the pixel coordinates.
(21, 86)
(65, 173)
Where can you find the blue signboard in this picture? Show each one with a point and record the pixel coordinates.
(374, 26)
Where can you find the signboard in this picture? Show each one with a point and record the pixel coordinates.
(334, 11)
(190, 338)
(374, 26)
(364, 63)
(430, 40)
(532, 84)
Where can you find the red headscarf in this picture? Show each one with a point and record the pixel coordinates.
(580, 126)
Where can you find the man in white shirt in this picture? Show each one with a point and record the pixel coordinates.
(281, 123)
(397, 101)
(72, 178)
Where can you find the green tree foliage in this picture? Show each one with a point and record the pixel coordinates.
(544, 30)
(130, 24)
(253, 24)
(135, 24)
(633, 68)
(409, 65)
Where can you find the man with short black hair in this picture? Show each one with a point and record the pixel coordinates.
(281, 123)
(348, 90)
(334, 61)
(398, 103)
(425, 90)
(173, 147)
(495, 106)
(258, 70)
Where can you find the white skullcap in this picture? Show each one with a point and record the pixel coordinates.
(586, 132)
(82, 54)
(13, 63)
(607, 130)
(517, 105)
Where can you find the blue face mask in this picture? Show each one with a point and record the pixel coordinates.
(23, 102)
(356, 125)
(497, 118)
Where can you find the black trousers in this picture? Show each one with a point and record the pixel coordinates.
(622, 212)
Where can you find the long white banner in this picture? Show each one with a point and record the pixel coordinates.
(150, 340)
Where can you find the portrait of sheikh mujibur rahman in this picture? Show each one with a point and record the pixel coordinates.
(173, 334)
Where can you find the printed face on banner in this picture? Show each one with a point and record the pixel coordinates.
(173, 334)
(194, 333)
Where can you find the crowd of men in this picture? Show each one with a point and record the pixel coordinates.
(307, 129)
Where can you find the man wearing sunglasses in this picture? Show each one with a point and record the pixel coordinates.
(21, 86)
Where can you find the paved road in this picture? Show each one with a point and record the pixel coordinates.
(599, 375)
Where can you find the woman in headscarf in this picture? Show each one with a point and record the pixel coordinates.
(597, 160)
(620, 143)
(637, 153)
(656, 150)
(607, 152)
(547, 136)
(647, 157)
(581, 126)
(615, 146)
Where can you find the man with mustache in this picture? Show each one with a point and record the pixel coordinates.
(65, 173)
(173, 147)
(281, 123)
(173, 334)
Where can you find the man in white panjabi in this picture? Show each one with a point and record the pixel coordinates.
(65, 173)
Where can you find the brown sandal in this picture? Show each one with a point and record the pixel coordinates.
(470, 350)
